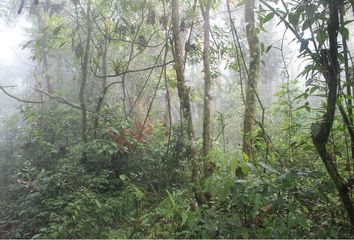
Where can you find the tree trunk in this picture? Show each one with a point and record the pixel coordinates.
(348, 119)
(43, 50)
(168, 111)
(207, 142)
(207, 79)
(84, 68)
(253, 78)
(183, 93)
(103, 49)
(321, 130)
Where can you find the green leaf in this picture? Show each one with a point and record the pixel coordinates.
(294, 19)
(344, 32)
(268, 17)
(57, 30)
(308, 108)
(314, 88)
(62, 44)
(268, 48)
(311, 10)
(269, 168)
(39, 235)
(307, 24)
(304, 45)
(244, 232)
(348, 96)
(347, 22)
(184, 217)
(306, 95)
(122, 177)
(321, 36)
(98, 204)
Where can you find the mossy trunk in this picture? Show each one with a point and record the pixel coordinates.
(321, 129)
(45, 71)
(207, 78)
(183, 93)
(253, 79)
(84, 69)
(103, 53)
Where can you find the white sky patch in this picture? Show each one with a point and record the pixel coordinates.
(16, 66)
(15, 62)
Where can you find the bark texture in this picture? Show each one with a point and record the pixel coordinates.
(253, 79)
(100, 102)
(207, 80)
(183, 93)
(43, 49)
(321, 130)
(84, 69)
(347, 118)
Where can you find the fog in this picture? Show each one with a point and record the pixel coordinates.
(16, 66)
(17, 69)
(169, 119)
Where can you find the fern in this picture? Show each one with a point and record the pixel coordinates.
(172, 205)
(136, 193)
(128, 201)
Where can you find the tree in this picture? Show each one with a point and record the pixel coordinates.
(207, 78)
(41, 16)
(85, 71)
(325, 61)
(322, 129)
(252, 78)
(183, 93)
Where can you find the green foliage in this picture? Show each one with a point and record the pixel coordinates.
(282, 205)
(144, 189)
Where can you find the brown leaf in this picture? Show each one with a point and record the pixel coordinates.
(267, 208)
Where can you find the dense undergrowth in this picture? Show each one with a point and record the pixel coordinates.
(145, 192)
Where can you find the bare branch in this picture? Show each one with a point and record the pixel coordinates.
(18, 99)
(21, 7)
(59, 99)
(136, 70)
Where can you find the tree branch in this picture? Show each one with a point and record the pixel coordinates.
(59, 99)
(21, 7)
(18, 99)
(136, 70)
(287, 24)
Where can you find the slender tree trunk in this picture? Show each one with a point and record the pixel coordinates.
(207, 80)
(168, 111)
(349, 83)
(104, 85)
(183, 93)
(84, 68)
(321, 130)
(43, 50)
(209, 167)
(253, 78)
